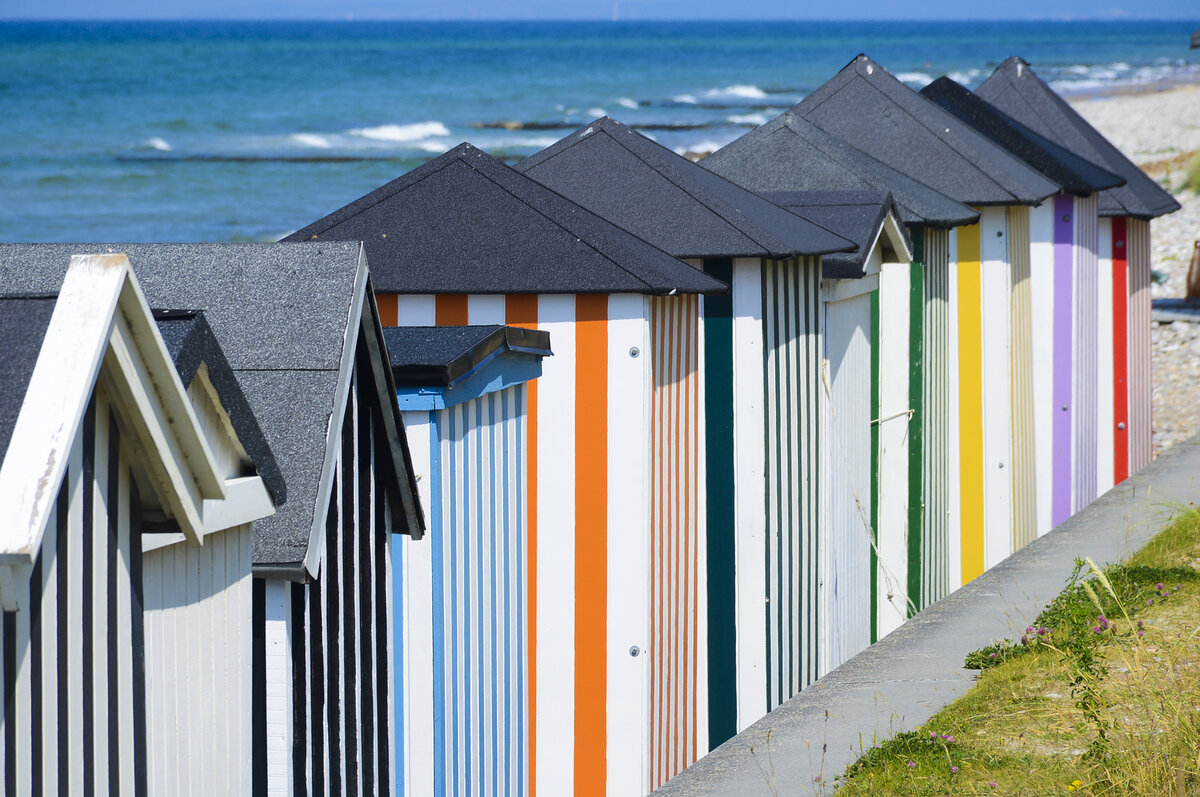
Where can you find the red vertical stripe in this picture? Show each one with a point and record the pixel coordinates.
(521, 310)
(1120, 342)
(451, 310)
(591, 542)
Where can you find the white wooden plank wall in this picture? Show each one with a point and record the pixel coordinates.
(954, 449)
(1041, 309)
(198, 661)
(847, 448)
(1086, 362)
(1105, 410)
(77, 635)
(998, 427)
(1140, 385)
(792, 310)
(935, 568)
(1024, 464)
(891, 532)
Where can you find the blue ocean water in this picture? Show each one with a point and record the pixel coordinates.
(211, 131)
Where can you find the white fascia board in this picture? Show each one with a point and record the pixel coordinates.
(333, 434)
(839, 290)
(895, 233)
(56, 399)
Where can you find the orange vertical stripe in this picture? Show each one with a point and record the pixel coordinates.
(521, 310)
(591, 542)
(388, 305)
(451, 310)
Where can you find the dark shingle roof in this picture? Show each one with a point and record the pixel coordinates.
(190, 342)
(440, 356)
(866, 106)
(280, 315)
(1072, 173)
(23, 324)
(668, 200)
(791, 154)
(466, 223)
(1016, 90)
(857, 215)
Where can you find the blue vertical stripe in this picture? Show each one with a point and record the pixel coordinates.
(437, 541)
(398, 657)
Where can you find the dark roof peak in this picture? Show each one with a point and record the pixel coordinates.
(466, 223)
(666, 199)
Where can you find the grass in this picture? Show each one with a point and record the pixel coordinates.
(1101, 696)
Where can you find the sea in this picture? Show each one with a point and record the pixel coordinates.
(246, 131)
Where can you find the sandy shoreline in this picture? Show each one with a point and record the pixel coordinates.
(1159, 129)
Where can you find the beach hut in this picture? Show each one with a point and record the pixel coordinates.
(767, 486)
(614, 444)
(462, 597)
(1121, 435)
(299, 328)
(1076, 314)
(789, 154)
(869, 108)
(131, 474)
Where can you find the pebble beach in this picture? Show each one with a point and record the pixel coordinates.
(1158, 127)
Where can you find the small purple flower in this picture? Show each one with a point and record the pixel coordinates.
(992, 783)
(1149, 601)
(1140, 623)
(1158, 586)
(1029, 630)
(953, 770)
(1141, 633)
(911, 764)
(1166, 594)
(1095, 629)
(990, 656)
(932, 735)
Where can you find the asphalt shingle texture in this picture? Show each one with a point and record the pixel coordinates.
(278, 312)
(857, 215)
(867, 107)
(23, 324)
(668, 200)
(791, 154)
(466, 223)
(1072, 173)
(440, 356)
(1016, 90)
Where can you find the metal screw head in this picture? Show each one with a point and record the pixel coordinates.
(635, 651)
(1064, 408)
(1120, 244)
(999, 234)
(634, 351)
(1002, 465)
(1121, 426)
(1066, 217)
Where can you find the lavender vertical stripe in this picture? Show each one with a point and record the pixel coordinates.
(1064, 231)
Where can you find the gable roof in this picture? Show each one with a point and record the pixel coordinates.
(666, 199)
(441, 356)
(790, 153)
(1016, 90)
(1072, 173)
(466, 223)
(289, 318)
(866, 106)
(100, 323)
(857, 215)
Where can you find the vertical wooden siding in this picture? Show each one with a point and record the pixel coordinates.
(937, 483)
(676, 484)
(845, 562)
(1105, 359)
(791, 317)
(1137, 252)
(1024, 464)
(1086, 355)
(996, 315)
(1117, 245)
(1041, 302)
(73, 685)
(970, 401)
(1064, 351)
(342, 704)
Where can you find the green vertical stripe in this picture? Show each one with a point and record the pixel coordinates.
(718, 430)
(916, 426)
(875, 402)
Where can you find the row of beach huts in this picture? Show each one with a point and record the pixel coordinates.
(550, 479)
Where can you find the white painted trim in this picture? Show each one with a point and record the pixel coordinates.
(246, 501)
(333, 431)
(839, 290)
(1041, 305)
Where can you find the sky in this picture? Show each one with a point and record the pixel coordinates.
(597, 9)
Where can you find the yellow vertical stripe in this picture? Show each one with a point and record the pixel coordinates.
(970, 393)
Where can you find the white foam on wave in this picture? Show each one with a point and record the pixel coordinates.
(313, 140)
(740, 91)
(688, 99)
(749, 119)
(595, 112)
(965, 77)
(700, 146)
(625, 102)
(157, 144)
(920, 78)
(434, 146)
(401, 133)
